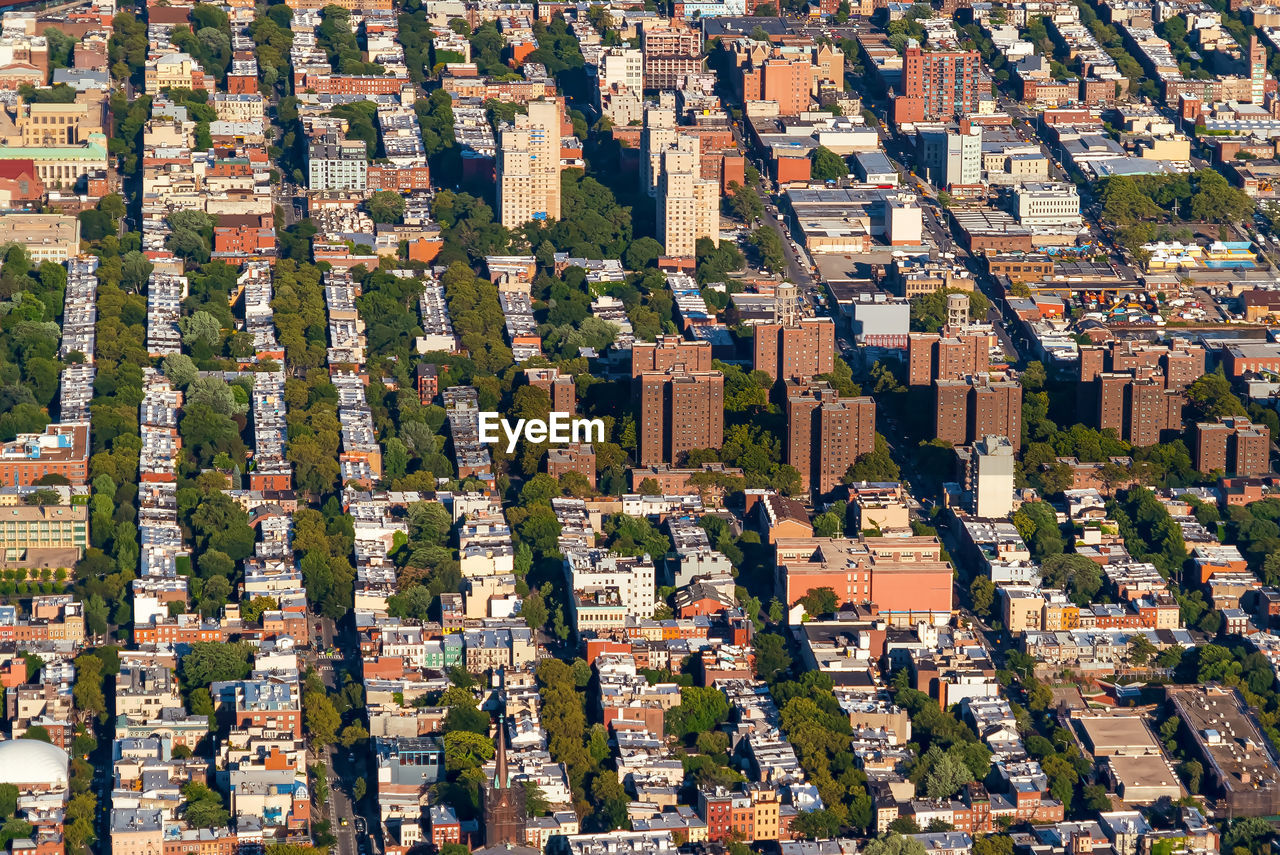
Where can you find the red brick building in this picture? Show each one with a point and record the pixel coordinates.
(62, 449)
(353, 84)
(445, 826)
(242, 84)
(579, 458)
(1233, 445)
(901, 576)
(176, 631)
(785, 81)
(402, 179)
(669, 351)
(246, 240)
(802, 350)
(931, 357)
(973, 407)
(678, 411)
(19, 181)
(428, 382)
(937, 85)
(826, 433)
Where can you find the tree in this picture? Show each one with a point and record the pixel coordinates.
(1033, 377)
(946, 777)
(353, 735)
(826, 165)
(700, 710)
(642, 253)
(210, 662)
(816, 825)
(745, 204)
(201, 328)
(877, 465)
(202, 807)
(466, 750)
(820, 601)
(827, 524)
(1216, 201)
(772, 657)
(87, 691)
(1141, 651)
(214, 595)
(321, 717)
(1249, 833)
(1193, 773)
(769, 246)
(1096, 798)
(994, 844)
(252, 610)
(894, 844)
(1211, 397)
(716, 260)
(386, 206)
(358, 789)
(534, 610)
(982, 594)
(610, 798)
(180, 370)
(8, 799)
(635, 536)
(14, 829)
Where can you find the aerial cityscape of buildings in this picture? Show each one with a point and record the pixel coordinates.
(923, 368)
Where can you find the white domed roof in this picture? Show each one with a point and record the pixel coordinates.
(30, 761)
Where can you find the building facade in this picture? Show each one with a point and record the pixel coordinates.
(529, 166)
(826, 434)
(679, 411)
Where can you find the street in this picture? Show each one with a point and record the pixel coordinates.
(797, 270)
(343, 766)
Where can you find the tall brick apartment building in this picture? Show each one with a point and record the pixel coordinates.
(678, 410)
(931, 356)
(826, 434)
(804, 349)
(977, 406)
(1138, 389)
(1233, 446)
(669, 54)
(669, 351)
(937, 85)
(560, 388)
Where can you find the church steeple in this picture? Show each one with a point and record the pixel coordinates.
(500, 780)
(504, 805)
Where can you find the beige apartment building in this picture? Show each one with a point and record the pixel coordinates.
(46, 237)
(173, 71)
(236, 107)
(529, 166)
(24, 527)
(688, 204)
(46, 125)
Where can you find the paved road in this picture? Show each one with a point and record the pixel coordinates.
(343, 766)
(797, 270)
(340, 807)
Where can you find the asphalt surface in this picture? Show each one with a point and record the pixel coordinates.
(343, 766)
